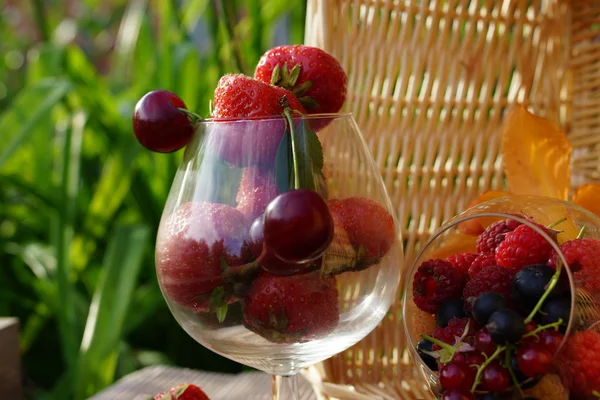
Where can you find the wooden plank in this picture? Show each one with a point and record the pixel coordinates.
(155, 379)
(10, 359)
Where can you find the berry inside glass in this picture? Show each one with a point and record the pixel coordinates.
(278, 247)
(508, 290)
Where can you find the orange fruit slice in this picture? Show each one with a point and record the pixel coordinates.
(476, 226)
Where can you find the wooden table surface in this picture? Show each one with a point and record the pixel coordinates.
(155, 379)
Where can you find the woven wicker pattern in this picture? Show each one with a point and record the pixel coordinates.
(429, 84)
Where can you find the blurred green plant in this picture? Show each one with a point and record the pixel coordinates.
(80, 200)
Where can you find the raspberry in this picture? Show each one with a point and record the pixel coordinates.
(580, 254)
(421, 321)
(462, 261)
(454, 329)
(549, 387)
(491, 279)
(495, 234)
(481, 262)
(523, 247)
(435, 282)
(579, 362)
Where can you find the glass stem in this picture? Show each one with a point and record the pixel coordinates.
(285, 387)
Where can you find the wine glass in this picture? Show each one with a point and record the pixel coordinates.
(553, 223)
(278, 246)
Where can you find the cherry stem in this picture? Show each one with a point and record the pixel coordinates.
(240, 272)
(192, 115)
(554, 224)
(554, 325)
(513, 377)
(581, 232)
(487, 362)
(287, 112)
(551, 286)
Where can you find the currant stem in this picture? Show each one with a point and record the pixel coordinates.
(510, 370)
(581, 232)
(433, 340)
(487, 362)
(287, 112)
(554, 325)
(551, 286)
(554, 224)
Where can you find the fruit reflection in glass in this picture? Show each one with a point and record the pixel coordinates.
(278, 247)
(504, 301)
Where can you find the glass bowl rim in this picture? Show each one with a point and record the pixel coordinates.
(277, 117)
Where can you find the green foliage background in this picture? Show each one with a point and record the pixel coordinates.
(80, 200)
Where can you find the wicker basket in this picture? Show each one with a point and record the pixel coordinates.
(429, 83)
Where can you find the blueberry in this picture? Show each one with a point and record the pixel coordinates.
(553, 310)
(521, 377)
(448, 310)
(426, 345)
(505, 326)
(530, 283)
(485, 305)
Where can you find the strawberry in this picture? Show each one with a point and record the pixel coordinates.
(291, 309)
(246, 142)
(191, 247)
(257, 188)
(369, 226)
(186, 391)
(313, 75)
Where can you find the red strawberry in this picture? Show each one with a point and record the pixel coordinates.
(183, 392)
(191, 245)
(369, 226)
(523, 247)
(246, 142)
(257, 188)
(292, 309)
(313, 75)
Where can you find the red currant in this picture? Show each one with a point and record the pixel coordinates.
(474, 360)
(551, 340)
(534, 359)
(158, 124)
(484, 342)
(530, 326)
(456, 375)
(457, 395)
(495, 378)
(298, 226)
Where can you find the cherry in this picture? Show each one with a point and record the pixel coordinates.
(268, 261)
(298, 226)
(551, 340)
(456, 375)
(484, 342)
(457, 395)
(495, 378)
(157, 123)
(534, 359)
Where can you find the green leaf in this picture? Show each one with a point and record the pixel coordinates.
(51, 92)
(307, 156)
(283, 164)
(109, 308)
(218, 303)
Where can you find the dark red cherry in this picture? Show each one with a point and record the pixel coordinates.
(268, 261)
(298, 226)
(157, 123)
